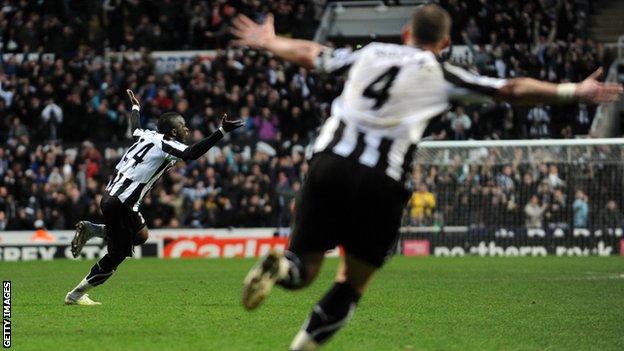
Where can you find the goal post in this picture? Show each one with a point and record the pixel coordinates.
(524, 197)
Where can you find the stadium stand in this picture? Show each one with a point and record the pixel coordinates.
(50, 176)
(559, 184)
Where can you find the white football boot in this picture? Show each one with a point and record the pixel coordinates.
(82, 300)
(261, 278)
(303, 342)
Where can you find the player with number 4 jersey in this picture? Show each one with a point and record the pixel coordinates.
(354, 192)
(151, 155)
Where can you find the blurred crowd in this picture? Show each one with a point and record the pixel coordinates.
(56, 186)
(64, 27)
(50, 176)
(543, 39)
(527, 188)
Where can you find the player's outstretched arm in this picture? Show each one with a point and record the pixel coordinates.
(263, 37)
(196, 150)
(135, 118)
(532, 91)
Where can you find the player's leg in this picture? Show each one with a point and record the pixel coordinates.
(317, 221)
(141, 236)
(335, 309)
(313, 233)
(99, 273)
(108, 264)
(355, 271)
(301, 270)
(122, 226)
(368, 236)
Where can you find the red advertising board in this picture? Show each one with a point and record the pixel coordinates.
(622, 247)
(209, 246)
(416, 247)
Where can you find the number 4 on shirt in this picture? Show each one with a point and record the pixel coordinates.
(139, 155)
(378, 89)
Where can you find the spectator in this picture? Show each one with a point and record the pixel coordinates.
(554, 180)
(534, 213)
(284, 193)
(611, 216)
(558, 214)
(460, 123)
(266, 125)
(23, 220)
(255, 212)
(505, 180)
(52, 117)
(538, 120)
(76, 207)
(526, 188)
(162, 101)
(422, 204)
(581, 210)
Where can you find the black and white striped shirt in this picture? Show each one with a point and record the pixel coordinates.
(391, 93)
(142, 165)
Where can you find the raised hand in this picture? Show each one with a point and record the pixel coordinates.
(133, 98)
(229, 125)
(592, 91)
(251, 34)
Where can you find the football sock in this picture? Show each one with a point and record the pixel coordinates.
(329, 315)
(100, 272)
(97, 230)
(296, 275)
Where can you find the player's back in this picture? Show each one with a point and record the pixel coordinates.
(393, 89)
(142, 164)
(391, 93)
(143, 157)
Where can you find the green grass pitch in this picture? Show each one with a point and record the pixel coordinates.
(469, 303)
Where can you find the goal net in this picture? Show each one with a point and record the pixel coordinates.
(559, 192)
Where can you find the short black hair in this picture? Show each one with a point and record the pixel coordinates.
(430, 23)
(166, 122)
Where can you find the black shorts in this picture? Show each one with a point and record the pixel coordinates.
(122, 224)
(348, 204)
